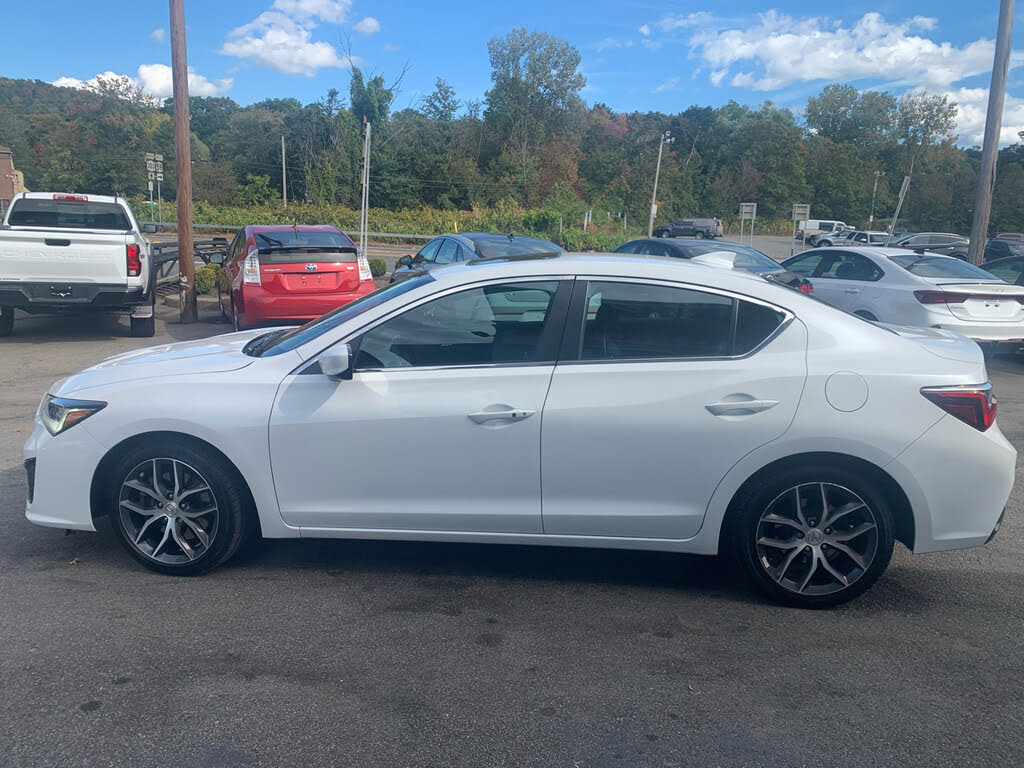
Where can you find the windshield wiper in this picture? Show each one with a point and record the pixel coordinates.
(256, 346)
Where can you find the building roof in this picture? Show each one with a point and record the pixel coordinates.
(4, 149)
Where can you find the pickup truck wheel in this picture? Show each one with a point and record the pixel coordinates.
(144, 327)
(662, 233)
(6, 321)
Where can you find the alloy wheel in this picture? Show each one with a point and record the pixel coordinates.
(817, 538)
(168, 511)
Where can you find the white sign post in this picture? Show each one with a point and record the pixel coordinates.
(801, 212)
(748, 212)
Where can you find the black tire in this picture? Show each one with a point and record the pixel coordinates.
(745, 527)
(144, 327)
(823, 244)
(6, 321)
(698, 235)
(661, 233)
(234, 522)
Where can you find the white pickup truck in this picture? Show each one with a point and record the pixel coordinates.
(69, 252)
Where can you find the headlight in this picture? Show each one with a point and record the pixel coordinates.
(61, 413)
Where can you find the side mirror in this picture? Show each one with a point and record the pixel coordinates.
(336, 362)
(149, 229)
(405, 261)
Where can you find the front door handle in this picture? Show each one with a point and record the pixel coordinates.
(740, 407)
(851, 290)
(513, 414)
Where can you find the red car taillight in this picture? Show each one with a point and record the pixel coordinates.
(809, 288)
(134, 260)
(972, 405)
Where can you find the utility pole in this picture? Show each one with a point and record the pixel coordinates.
(183, 161)
(284, 176)
(364, 217)
(993, 122)
(871, 217)
(666, 138)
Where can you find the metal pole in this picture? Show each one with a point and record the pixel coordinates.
(159, 206)
(183, 160)
(871, 217)
(654, 194)
(284, 176)
(993, 122)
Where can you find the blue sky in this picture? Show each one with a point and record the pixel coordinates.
(636, 56)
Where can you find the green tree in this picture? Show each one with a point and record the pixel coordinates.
(441, 104)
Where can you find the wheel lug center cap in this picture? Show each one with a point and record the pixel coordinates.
(815, 537)
(171, 509)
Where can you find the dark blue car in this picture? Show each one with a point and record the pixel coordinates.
(448, 249)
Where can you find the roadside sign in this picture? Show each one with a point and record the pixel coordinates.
(159, 167)
(801, 212)
(150, 165)
(654, 210)
(150, 156)
(151, 175)
(748, 211)
(158, 158)
(150, 188)
(159, 177)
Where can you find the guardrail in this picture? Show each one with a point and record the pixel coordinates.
(165, 257)
(233, 228)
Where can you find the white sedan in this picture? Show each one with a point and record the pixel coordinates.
(598, 401)
(893, 285)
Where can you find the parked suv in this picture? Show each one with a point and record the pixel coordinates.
(698, 228)
(945, 243)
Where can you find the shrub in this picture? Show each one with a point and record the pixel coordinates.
(378, 267)
(206, 279)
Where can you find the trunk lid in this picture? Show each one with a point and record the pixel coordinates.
(941, 343)
(983, 301)
(310, 274)
(65, 255)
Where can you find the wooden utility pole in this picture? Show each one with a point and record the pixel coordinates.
(284, 176)
(183, 163)
(993, 122)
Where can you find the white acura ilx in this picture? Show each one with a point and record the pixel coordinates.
(595, 400)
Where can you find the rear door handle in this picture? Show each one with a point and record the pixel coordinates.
(514, 414)
(740, 407)
(851, 290)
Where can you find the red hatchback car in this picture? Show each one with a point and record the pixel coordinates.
(282, 274)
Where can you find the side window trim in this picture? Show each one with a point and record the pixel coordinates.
(576, 317)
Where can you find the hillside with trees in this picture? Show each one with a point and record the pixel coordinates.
(531, 143)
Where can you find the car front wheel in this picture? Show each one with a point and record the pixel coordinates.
(814, 537)
(178, 506)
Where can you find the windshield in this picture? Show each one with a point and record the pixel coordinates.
(939, 266)
(877, 238)
(498, 246)
(744, 258)
(292, 246)
(312, 330)
(68, 214)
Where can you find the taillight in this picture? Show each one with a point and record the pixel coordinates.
(974, 405)
(807, 288)
(72, 198)
(251, 268)
(940, 297)
(133, 260)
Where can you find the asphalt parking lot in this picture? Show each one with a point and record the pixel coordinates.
(404, 654)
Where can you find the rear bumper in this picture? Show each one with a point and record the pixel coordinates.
(260, 306)
(59, 296)
(958, 481)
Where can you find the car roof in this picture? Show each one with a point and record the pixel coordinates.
(293, 228)
(91, 198)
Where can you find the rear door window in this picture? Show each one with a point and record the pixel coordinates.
(849, 266)
(653, 249)
(294, 246)
(68, 214)
(448, 252)
(805, 265)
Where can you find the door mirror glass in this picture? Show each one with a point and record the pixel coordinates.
(216, 258)
(336, 362)
(149, 229)
(405, 261)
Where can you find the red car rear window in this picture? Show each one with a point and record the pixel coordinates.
(292, 246)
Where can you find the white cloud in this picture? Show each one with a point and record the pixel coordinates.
(155, 79)
(972, 104)
(331, 11)
(277, 41)
(367, 26)
(677, 21)
(158, 35)
(612, 42)
(651, 45)
(390, 47)
(668, 85)
(781, 50)
(645, 30)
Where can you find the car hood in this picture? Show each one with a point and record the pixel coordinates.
(210, 355)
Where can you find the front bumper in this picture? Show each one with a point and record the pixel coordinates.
(63, 469)
(60, 296)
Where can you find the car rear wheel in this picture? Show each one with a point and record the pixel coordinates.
(6, 321)
(662, 233)
(698, 235)
(815, 536)
(178, 506)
